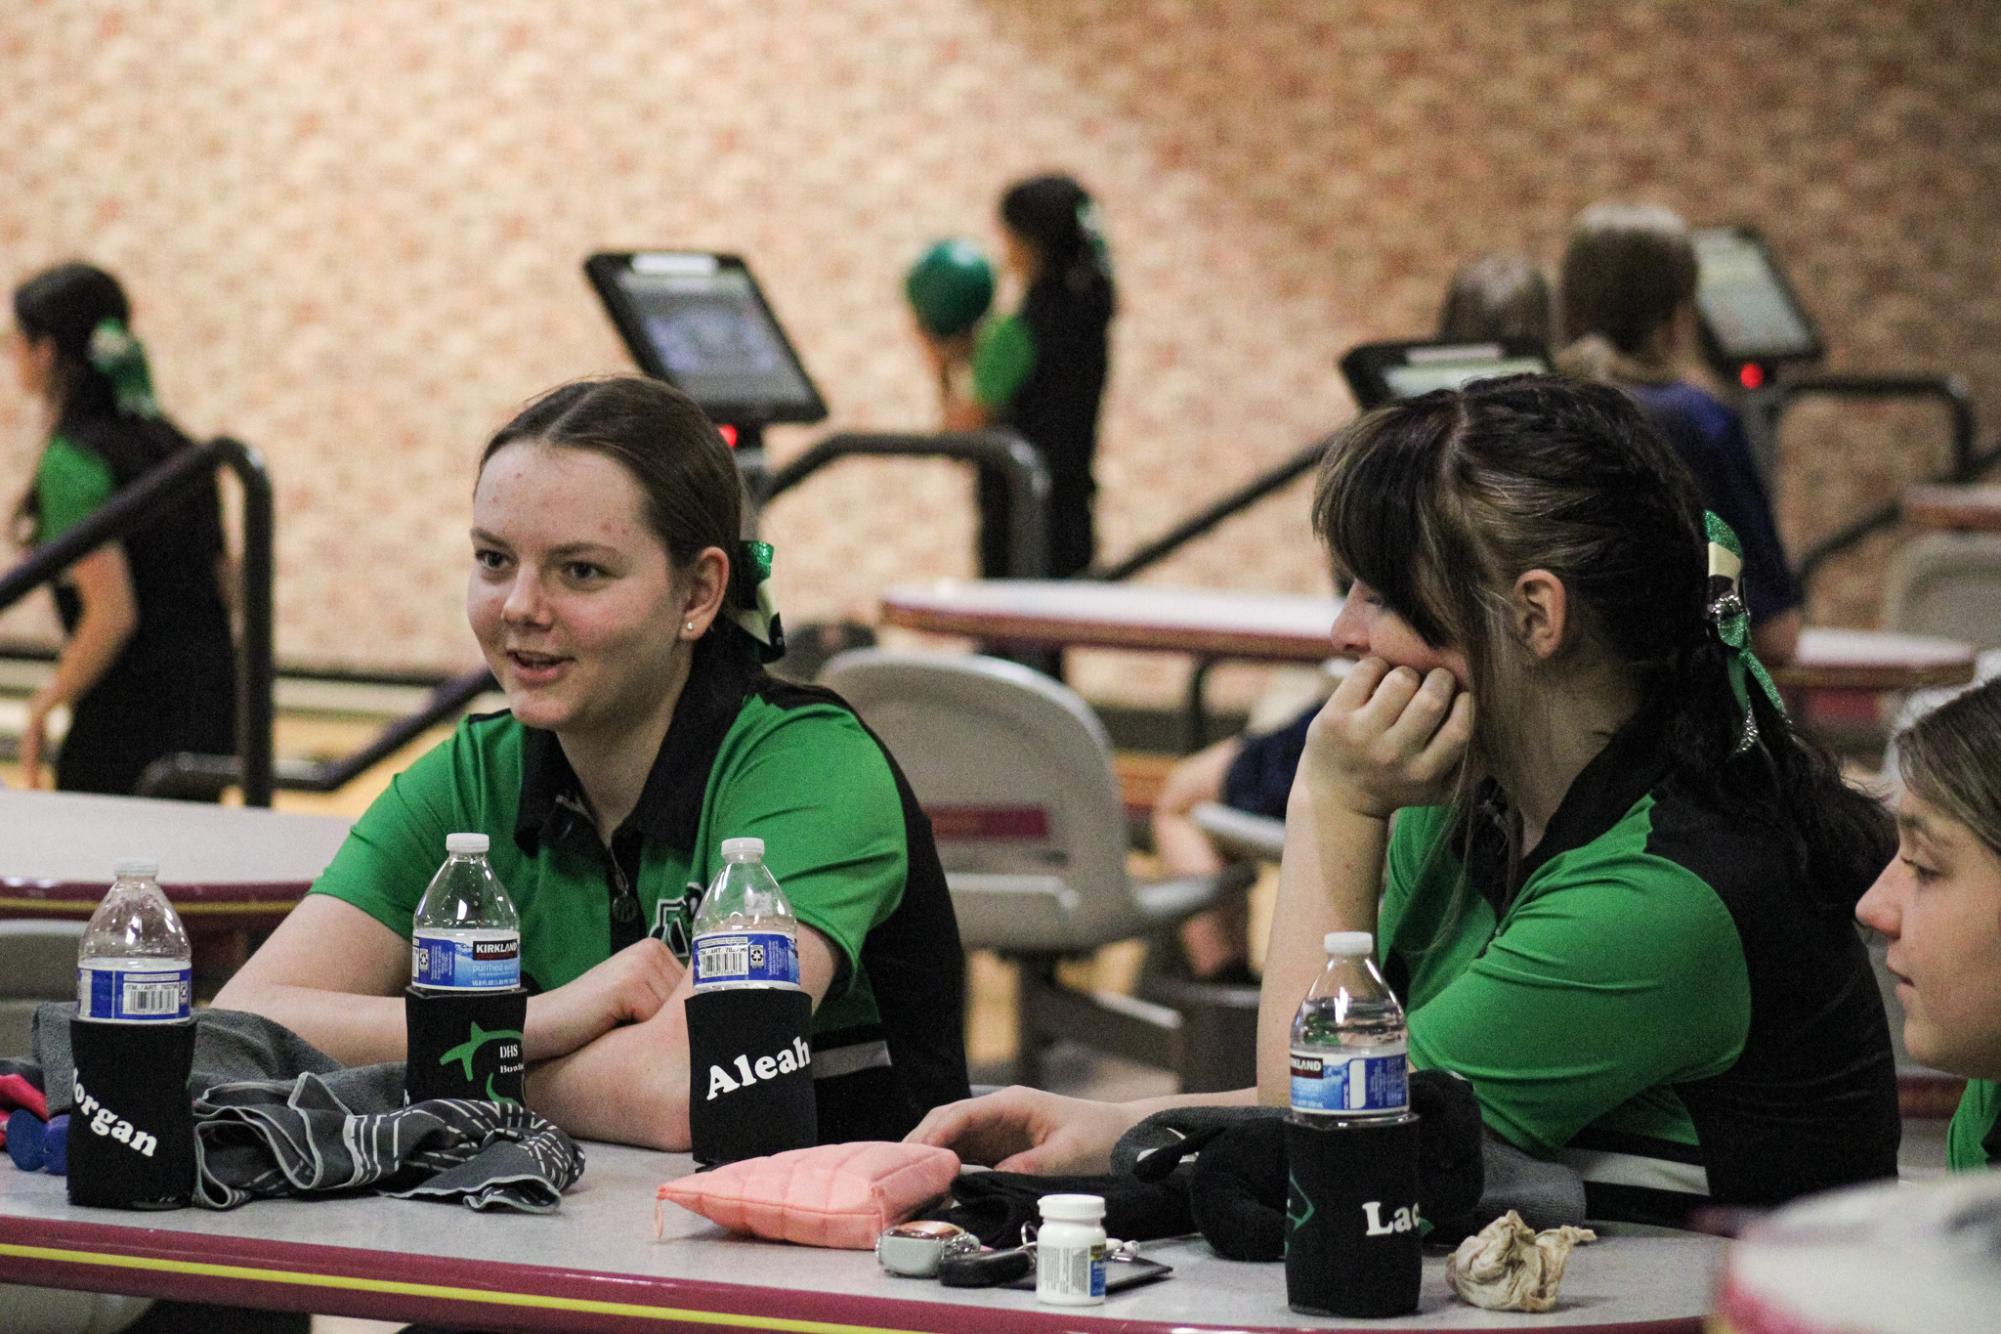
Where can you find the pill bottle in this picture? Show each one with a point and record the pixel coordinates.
(1070, 1251)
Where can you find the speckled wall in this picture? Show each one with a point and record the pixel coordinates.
(354, 230)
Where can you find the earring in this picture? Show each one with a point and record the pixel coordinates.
(691, 627)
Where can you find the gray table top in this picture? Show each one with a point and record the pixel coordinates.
(596, 1265)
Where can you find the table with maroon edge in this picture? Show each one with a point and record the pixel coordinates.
(1223, 623)
(1953, 509)
(595, 1265)
(231, 871)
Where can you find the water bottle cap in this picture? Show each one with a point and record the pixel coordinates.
(135, 867)
(743, 849)
(466, 844)
(1072, 1208)
(1349, 943)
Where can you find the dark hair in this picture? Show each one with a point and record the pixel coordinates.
(65, 305)
(1951, 759)
(1497, 296)
(1626, 270)
(1056, 216)
(694, 499)
(1439, 503)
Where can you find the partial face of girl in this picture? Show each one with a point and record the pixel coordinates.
(1366, 628)
(572, 596)
(1939, 906)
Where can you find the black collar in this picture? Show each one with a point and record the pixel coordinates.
(670, 805)
(1632, 763)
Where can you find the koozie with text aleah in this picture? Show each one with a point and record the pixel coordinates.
(132, 1127)
(750, 1073)
(1352, 1244)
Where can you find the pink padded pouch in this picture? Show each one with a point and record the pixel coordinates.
(836, 1195)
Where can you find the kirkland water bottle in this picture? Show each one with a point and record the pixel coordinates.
(135, 966)
(744, 932)
(1353, 1226)
(1348, 1038)
(466, 935)
(465, 1009)
(750, 1053)
(132, 1124)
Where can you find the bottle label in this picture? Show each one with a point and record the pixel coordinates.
(1070, 1275)
(134, 991)
(754, 958)
(466, 960)
(1325, 1083)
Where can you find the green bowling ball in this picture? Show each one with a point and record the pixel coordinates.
(950, 287)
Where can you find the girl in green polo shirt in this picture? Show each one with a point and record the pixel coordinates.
(1939, 906)
(629, 628)
(1617, 896)
(148, 667)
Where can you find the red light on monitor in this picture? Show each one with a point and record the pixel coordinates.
(729, 434)
(1751, 375)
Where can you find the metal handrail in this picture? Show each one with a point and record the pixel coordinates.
(186, 773)
(137, 503)
(1968, 460)
(995, 449)
(1203, 520)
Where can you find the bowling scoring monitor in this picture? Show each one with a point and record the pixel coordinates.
(698, 321)
(1379, 372)
(1751, 321)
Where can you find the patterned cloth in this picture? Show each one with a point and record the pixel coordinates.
(275, 1116)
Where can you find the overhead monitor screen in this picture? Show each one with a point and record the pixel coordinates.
(698, 321)
(1748, 310)
(1379, 372)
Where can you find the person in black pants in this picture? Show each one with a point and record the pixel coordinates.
(148, 667)
(1040, 370)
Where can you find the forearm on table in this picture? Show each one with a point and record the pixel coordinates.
(629, 1085)
(353, 1029)
(1329, 880)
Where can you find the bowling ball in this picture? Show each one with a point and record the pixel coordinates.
(950, 287)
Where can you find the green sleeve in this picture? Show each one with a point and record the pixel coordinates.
(1003, 355)
(70, 483)
(1967, 1145)
(1600, 986)
(396, 846)
(818, 791)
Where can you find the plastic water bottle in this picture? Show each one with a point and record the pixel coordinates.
(135, 966)
(466, 935)
(745, 934)
(1348, 1042)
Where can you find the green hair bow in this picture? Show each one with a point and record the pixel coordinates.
(1730, 623)
(120, 357)
(754, 608)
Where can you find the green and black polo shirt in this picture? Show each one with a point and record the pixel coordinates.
(1648, 995)
(1973, 1142)
(745, 756)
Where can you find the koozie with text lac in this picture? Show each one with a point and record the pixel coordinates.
(464, 1044)
(750, 1073)
(1352, 1243)
(132, 1125)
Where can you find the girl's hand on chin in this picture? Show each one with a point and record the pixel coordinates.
(1388, 737)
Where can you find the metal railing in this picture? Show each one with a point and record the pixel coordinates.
(135, 505)
(1213, 514)
(1968, 460)
(188, 774)
(997, 450)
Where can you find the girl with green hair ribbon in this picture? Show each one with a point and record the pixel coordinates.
(148, 668)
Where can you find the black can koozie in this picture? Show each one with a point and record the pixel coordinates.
(464, 1044)
(750, 1073)
(1352, 1245)
(132, 1124)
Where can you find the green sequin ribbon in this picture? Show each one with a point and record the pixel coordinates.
(1730, 622)
(117, 352)
(756, 607)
